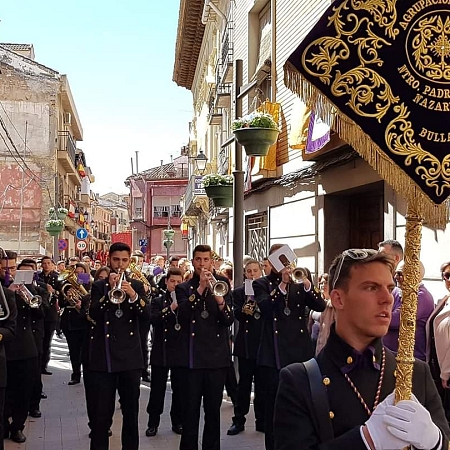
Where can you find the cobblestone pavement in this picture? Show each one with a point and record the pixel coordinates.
(63, 425)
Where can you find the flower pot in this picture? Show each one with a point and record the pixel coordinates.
(222, 194)
(53, 230)
(61, 215)
(256, 141)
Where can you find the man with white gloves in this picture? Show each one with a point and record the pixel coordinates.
(344, 398)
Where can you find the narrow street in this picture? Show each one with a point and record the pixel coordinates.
(63, 425)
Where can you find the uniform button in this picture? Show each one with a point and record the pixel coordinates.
(92, 328)
(24, 317)
(349, 360)
(92, 337)
(131, 333)
(301, 331)
(331, 415)
(326, 381)
(275, 319)
(165, 340)
(131, 320)
(218, 335)
(107, 323)
(300, 317)
(165, 330)
(276, 331)
(34, 331)
(246, 321)
(193, 334)
(298, 306)
(246, 331)
(193, 321)
(298, 292)
(35, 322)
(107, 335)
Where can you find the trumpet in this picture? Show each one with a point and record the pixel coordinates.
(33, 301)
(298, 275)
(117, 295)
(218, 287)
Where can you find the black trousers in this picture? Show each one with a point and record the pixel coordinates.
(2, 420)
(103, 396)
(249, 372)
(144, 329)
(49, 330)
(75, 342)
(18, 392)
(158, 387)
(231, 383)
(207, 384)
(35, 400)
(271, 377)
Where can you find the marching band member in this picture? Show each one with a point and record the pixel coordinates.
(50, 277)
(204, 307)
(285, 338)
(116, 360)
(166, 355)
(21, 357)
(246, 346)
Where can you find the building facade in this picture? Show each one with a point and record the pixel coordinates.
(320, 203)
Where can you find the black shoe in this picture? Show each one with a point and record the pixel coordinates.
(260, 428)
(178, 429)
(73, 381)
(46, 372)
(18, 436)
(35, 413)
(43, 395)
(151, 431)
(146, 378)
(235, 429)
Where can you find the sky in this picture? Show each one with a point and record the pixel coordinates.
(118, 56)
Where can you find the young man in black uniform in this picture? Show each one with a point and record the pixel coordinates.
(21, 357)
(357, 374)
(246, 347)
(7, 334)
(208, 317)
(165, 356)
(285, 338)
(116, 360)
(50, 277)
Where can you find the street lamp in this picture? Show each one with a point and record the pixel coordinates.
(168, 239)
(200, 161)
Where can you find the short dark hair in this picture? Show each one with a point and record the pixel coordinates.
(29, 262)
(9, 255)
(25, 264)
(174, 271)
(47, 257)
(119, 247)
(100, 270)
(173, 259)
(83, 266)
(252, 261)
(274, 247)
(202, 248)
(444, 265)
(348, 263)
(395, 245)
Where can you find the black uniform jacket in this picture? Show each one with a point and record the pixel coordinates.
(208, 337)
(51, 314)
(37, 319)
(170, 346)
(73, 319)
(294, 422)
(23, 346)
(7, 331)
(247, 340)
(285, 338)
(115, 344)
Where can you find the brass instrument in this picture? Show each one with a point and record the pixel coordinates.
(218, 288)
(117, 295)
(71, 289)
(135, 273)
(298, 275)
(33, 301)
(251, 308)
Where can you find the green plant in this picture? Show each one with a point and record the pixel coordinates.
(255, 119)
(63, 210)
(215, 179)
(54, 223)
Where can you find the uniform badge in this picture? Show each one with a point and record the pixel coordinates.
(273, 292)
(164, 310)
(192, 297)
(142, 303)
(102, 299)
(316, 290)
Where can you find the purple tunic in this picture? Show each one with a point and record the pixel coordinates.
(425, 307)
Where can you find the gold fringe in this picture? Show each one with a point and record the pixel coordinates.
(435, 216)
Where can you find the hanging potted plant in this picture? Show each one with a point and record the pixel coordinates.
(54, 226)
(62, 213)
(219, 188)
(256, 132)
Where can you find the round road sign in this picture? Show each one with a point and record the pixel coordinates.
(81, 245)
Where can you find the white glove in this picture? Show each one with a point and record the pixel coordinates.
(382, 439)
(410, 421)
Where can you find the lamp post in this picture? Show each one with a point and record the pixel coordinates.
(168, 239)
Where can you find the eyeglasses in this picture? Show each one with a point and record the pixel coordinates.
(446, 276)
(354, 253)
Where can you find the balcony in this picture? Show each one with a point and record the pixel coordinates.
(226, 55)
(214, 115)
(67, 153)
(195, 199)
(223, 95)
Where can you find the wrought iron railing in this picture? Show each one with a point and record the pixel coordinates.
(67, 144)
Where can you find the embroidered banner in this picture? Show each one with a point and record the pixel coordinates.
(383, 67)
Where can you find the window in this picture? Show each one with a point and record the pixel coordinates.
(176, 211)
(264, 45)
(160, 211)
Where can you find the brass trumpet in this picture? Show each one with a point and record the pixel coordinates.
(298, 275)
(33, 301)
(218, 287)
(117, 295)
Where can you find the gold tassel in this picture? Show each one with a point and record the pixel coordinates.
(436, 216)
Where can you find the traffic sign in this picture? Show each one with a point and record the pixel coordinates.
(62, 245)
(142, 242)
(82, 233)
(81, 245)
